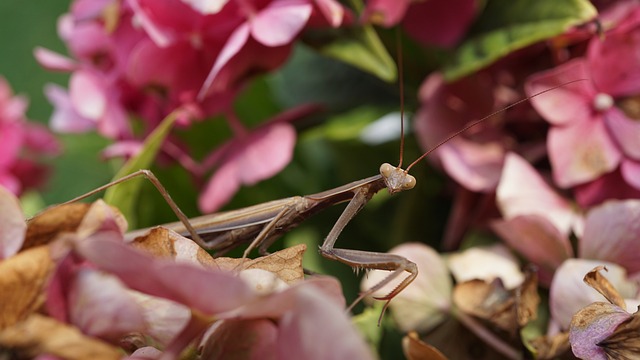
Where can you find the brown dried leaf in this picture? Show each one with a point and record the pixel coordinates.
(624, 343)
(39, 334)
(604, 287)
(44, 227)
(416, 349)
(551, 347)
(508, 310)
(22, 279)
(286, 263)
(164, 243)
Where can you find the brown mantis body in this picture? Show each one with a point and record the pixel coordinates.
(264, 223)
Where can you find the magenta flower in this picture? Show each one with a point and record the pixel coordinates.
(594, 127)
(21, 144)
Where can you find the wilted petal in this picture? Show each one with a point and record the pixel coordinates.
(486, 263)
(280, 22)
(593, 324)
(426, 301)
(581, 152)
(210, 292)
(164, 319)
(12, 225)
(537, 240)
(522, 191)
(242, 339)
(611, 233)
(100, 305)
(569, 103)
(569, 293)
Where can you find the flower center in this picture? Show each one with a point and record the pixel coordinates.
(630, 106)
(602, 102)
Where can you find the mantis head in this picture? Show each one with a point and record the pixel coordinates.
(396, 178)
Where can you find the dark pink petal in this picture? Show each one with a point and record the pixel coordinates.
(39, 139)
(568, 104)
(12, 224)
(85, 9)
(440, 23)
(585, 336)
(280, 22)
(475, 166)
(522, 191)
(11, 141)
(625, 131)
(385, 12)
(569, 293)
(256, 157)
(538, 240)
(53, 61)
(611, 233)
(614, 61)
(242, 340)
(65, 118)
(631, 173)
(332, 11)
(100, 305)
(209, 292)
(607, 187)
(165, 21)
(12, 107)
(581, 152)
(299, 337)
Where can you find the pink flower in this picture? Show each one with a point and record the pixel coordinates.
(594, 131)
(21, 143)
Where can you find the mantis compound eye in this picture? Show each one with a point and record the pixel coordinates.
(409, 182)
(386, 169)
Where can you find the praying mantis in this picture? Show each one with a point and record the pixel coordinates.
(263, 223)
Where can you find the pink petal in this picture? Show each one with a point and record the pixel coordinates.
(611, 233)
(64, 117)
(207, 291)
(164, 319)
(569, 103)
(299, 337)
(88, 95)
(53, 61)
(426, 302)
(613, 62)
(585, 336)
(475, 166)
(12, 223)
(125, 148)
(233, 46)
(165, 21)
(606, 187)
(12, 135)
(280, 22)
(631, 173)
(625, 131)
(522, 191)
(581, 152)
(39, 139)
(207, 7)
(100, 305)
(11, 183)
(259, 156)
(568, 293)
(440, 23)
(537, 240)
(385, 12)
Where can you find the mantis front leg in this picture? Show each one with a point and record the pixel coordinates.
(359, 259)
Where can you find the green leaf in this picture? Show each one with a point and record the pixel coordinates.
(508, 25)
(124, 196)
(367, 324)
(362, 48)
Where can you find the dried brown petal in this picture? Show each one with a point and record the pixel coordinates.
(44, 227)
(39, 334)
(22, 279)
(286, 263)
(604, 287)
(416, 349)
(507, 310)
(162, 242)
(551, 347)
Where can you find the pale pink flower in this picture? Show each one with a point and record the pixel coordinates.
(594, 133)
